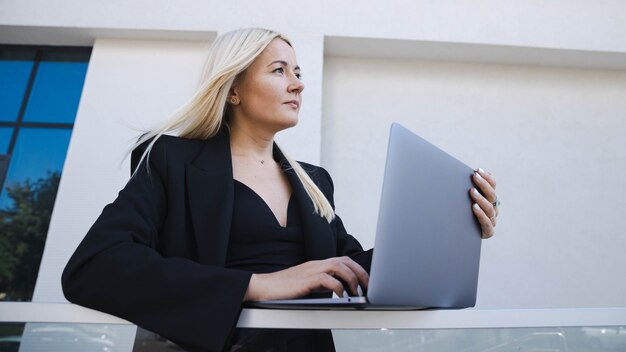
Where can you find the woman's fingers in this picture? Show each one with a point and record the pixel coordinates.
(487, 176)
(485, 198)
(485, 222)
(349, 271)
(358, 270)
(341, 271)
(483, 203)
(486, 183)
(328, 282)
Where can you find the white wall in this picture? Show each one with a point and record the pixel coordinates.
(554, 138)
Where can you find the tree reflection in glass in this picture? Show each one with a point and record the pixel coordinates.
(24, 226)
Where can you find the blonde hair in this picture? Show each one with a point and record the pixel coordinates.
(202, 116)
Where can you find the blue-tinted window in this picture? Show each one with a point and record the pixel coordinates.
(15, 69)
(57, 88)
(5, 139)
(38, 153)
(40, 98)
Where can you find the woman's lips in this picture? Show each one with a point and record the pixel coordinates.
(293, 103)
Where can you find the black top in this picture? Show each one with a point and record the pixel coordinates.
(257, 242)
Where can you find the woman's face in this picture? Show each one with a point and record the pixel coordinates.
(269, 90)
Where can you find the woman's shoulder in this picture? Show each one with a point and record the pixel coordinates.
(172, 148)
(171, 143)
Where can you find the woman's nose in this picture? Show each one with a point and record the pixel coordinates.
(296, 85)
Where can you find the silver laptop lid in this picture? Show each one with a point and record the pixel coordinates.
(427, 247)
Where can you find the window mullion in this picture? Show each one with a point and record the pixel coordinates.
(29, 87)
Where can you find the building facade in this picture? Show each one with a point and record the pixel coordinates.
(533, 91)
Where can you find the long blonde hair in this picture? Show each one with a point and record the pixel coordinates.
(202, 116)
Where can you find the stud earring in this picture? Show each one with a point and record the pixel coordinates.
(234, 100)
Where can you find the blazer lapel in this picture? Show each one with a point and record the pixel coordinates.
(319, 242)
(210, 191)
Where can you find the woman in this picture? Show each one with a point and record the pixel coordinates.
(220, 215)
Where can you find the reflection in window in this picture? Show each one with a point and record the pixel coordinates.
(38, 154)
(535, 339)
(15, 70)
(11, 336)
(5, 139)
(57, 87)
(40, 95)
(47, 337)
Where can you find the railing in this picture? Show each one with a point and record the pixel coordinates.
(576, 329)
(346, 319)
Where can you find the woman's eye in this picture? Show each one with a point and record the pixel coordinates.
(281, 70)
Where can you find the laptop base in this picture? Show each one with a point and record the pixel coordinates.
(345, 303)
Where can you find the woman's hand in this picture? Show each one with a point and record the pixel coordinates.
(303, 279)
(486, 201)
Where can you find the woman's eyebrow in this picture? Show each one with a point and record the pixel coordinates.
(284, 63)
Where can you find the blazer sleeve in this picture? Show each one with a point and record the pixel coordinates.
(346, 244)
(118, 270)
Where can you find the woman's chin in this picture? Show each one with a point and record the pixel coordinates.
(288, 123)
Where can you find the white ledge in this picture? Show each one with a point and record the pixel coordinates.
(492, 54)
(346, 319)
(359, 47)
(432, 319)
(68, 36)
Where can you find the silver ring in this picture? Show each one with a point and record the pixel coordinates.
(496, 203)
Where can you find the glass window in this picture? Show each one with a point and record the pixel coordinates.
(10, 336)
(69, 337)
(30, 166)
(534, 339)
(46, 337)
(39, 154)
(26, 204)
(5, 139)
(57, 88)
(15, 70)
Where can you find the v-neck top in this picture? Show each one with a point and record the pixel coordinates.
(257, 242)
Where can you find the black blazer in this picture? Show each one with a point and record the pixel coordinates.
(156, 255)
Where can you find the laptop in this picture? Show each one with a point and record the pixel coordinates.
(427, 246)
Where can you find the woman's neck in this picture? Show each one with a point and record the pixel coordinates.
(248, 143)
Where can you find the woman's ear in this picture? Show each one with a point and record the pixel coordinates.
(233, 97)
